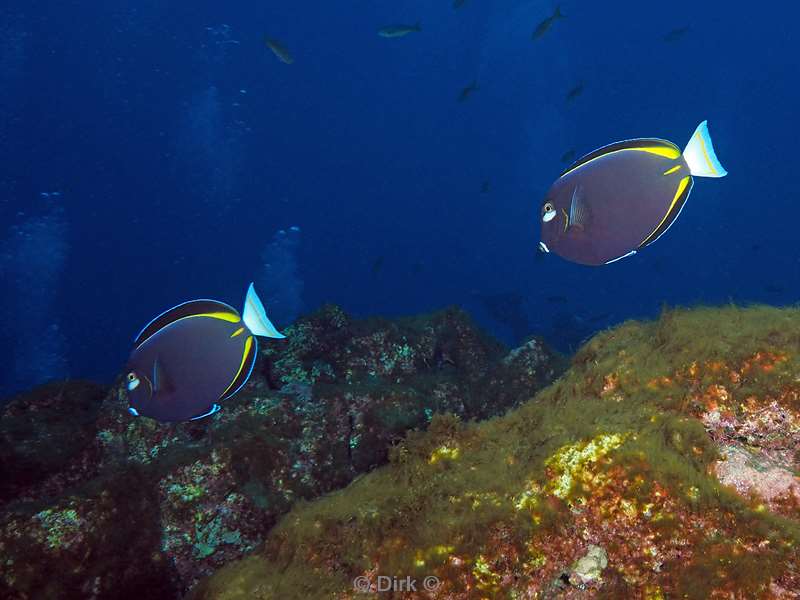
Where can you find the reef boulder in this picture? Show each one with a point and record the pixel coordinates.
(144, 509)
(663, 464)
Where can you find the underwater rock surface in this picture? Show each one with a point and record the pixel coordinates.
(108, 506)
(663, 464)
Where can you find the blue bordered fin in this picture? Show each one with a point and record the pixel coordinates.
(186, 309)
(215, 408)
(657, 145)
(250, 353)
(613, 260)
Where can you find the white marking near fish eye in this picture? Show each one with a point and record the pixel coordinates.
(133, 384)
(543, 247)
(549, 216)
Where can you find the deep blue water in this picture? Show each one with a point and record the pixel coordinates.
(180, 146)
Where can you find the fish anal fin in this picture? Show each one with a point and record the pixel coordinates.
(215, 408)
(245, 368)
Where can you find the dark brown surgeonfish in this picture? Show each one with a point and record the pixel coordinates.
(193, 355)
(622, 197)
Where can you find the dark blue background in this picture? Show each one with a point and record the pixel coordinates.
(174, 181)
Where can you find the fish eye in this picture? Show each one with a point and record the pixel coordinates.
(133, 381)
(548, 212)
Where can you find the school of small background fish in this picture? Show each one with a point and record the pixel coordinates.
(645, 461)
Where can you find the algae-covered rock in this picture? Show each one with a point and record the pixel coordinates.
(46, 439)
(177, 501)
(101, 542)
(609, 483)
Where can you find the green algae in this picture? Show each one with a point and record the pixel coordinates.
(208, 536)
(59, 526)
(449, 487)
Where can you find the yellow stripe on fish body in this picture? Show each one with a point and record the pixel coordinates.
(681, 189)
(222, 316)
(667, 150)
(628, 200)
(248, 344)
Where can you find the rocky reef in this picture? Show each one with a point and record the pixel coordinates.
(663, 464)
(97, 504)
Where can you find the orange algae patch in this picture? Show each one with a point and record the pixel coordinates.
(765, 361)
(610, 383)
(659, 382)
(523, 514)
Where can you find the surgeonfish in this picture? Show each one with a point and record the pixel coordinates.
(622, 197)
(676, 34)
(192, 356)
(279, 50)
(546, 24)
(574, 92)
(467, 91)
(396, 31)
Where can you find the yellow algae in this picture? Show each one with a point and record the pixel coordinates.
(444, 452)
(529, 497)
(693, 493)
(434, 553)
(494, 513)
(537, 557)
(653, 592)
(484, 574)
(571, 459)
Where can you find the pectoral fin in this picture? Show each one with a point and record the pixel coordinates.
(578, 209)
(161, 382)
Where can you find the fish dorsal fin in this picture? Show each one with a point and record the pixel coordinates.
(578, 209)
(187, 309)
(655, 145)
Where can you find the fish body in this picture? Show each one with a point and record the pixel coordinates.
(192, 356)
(545, 25)
(622, 197)
(396, 31)
(467, 91)
(676, 34)
(279, 50)
(575, 92)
